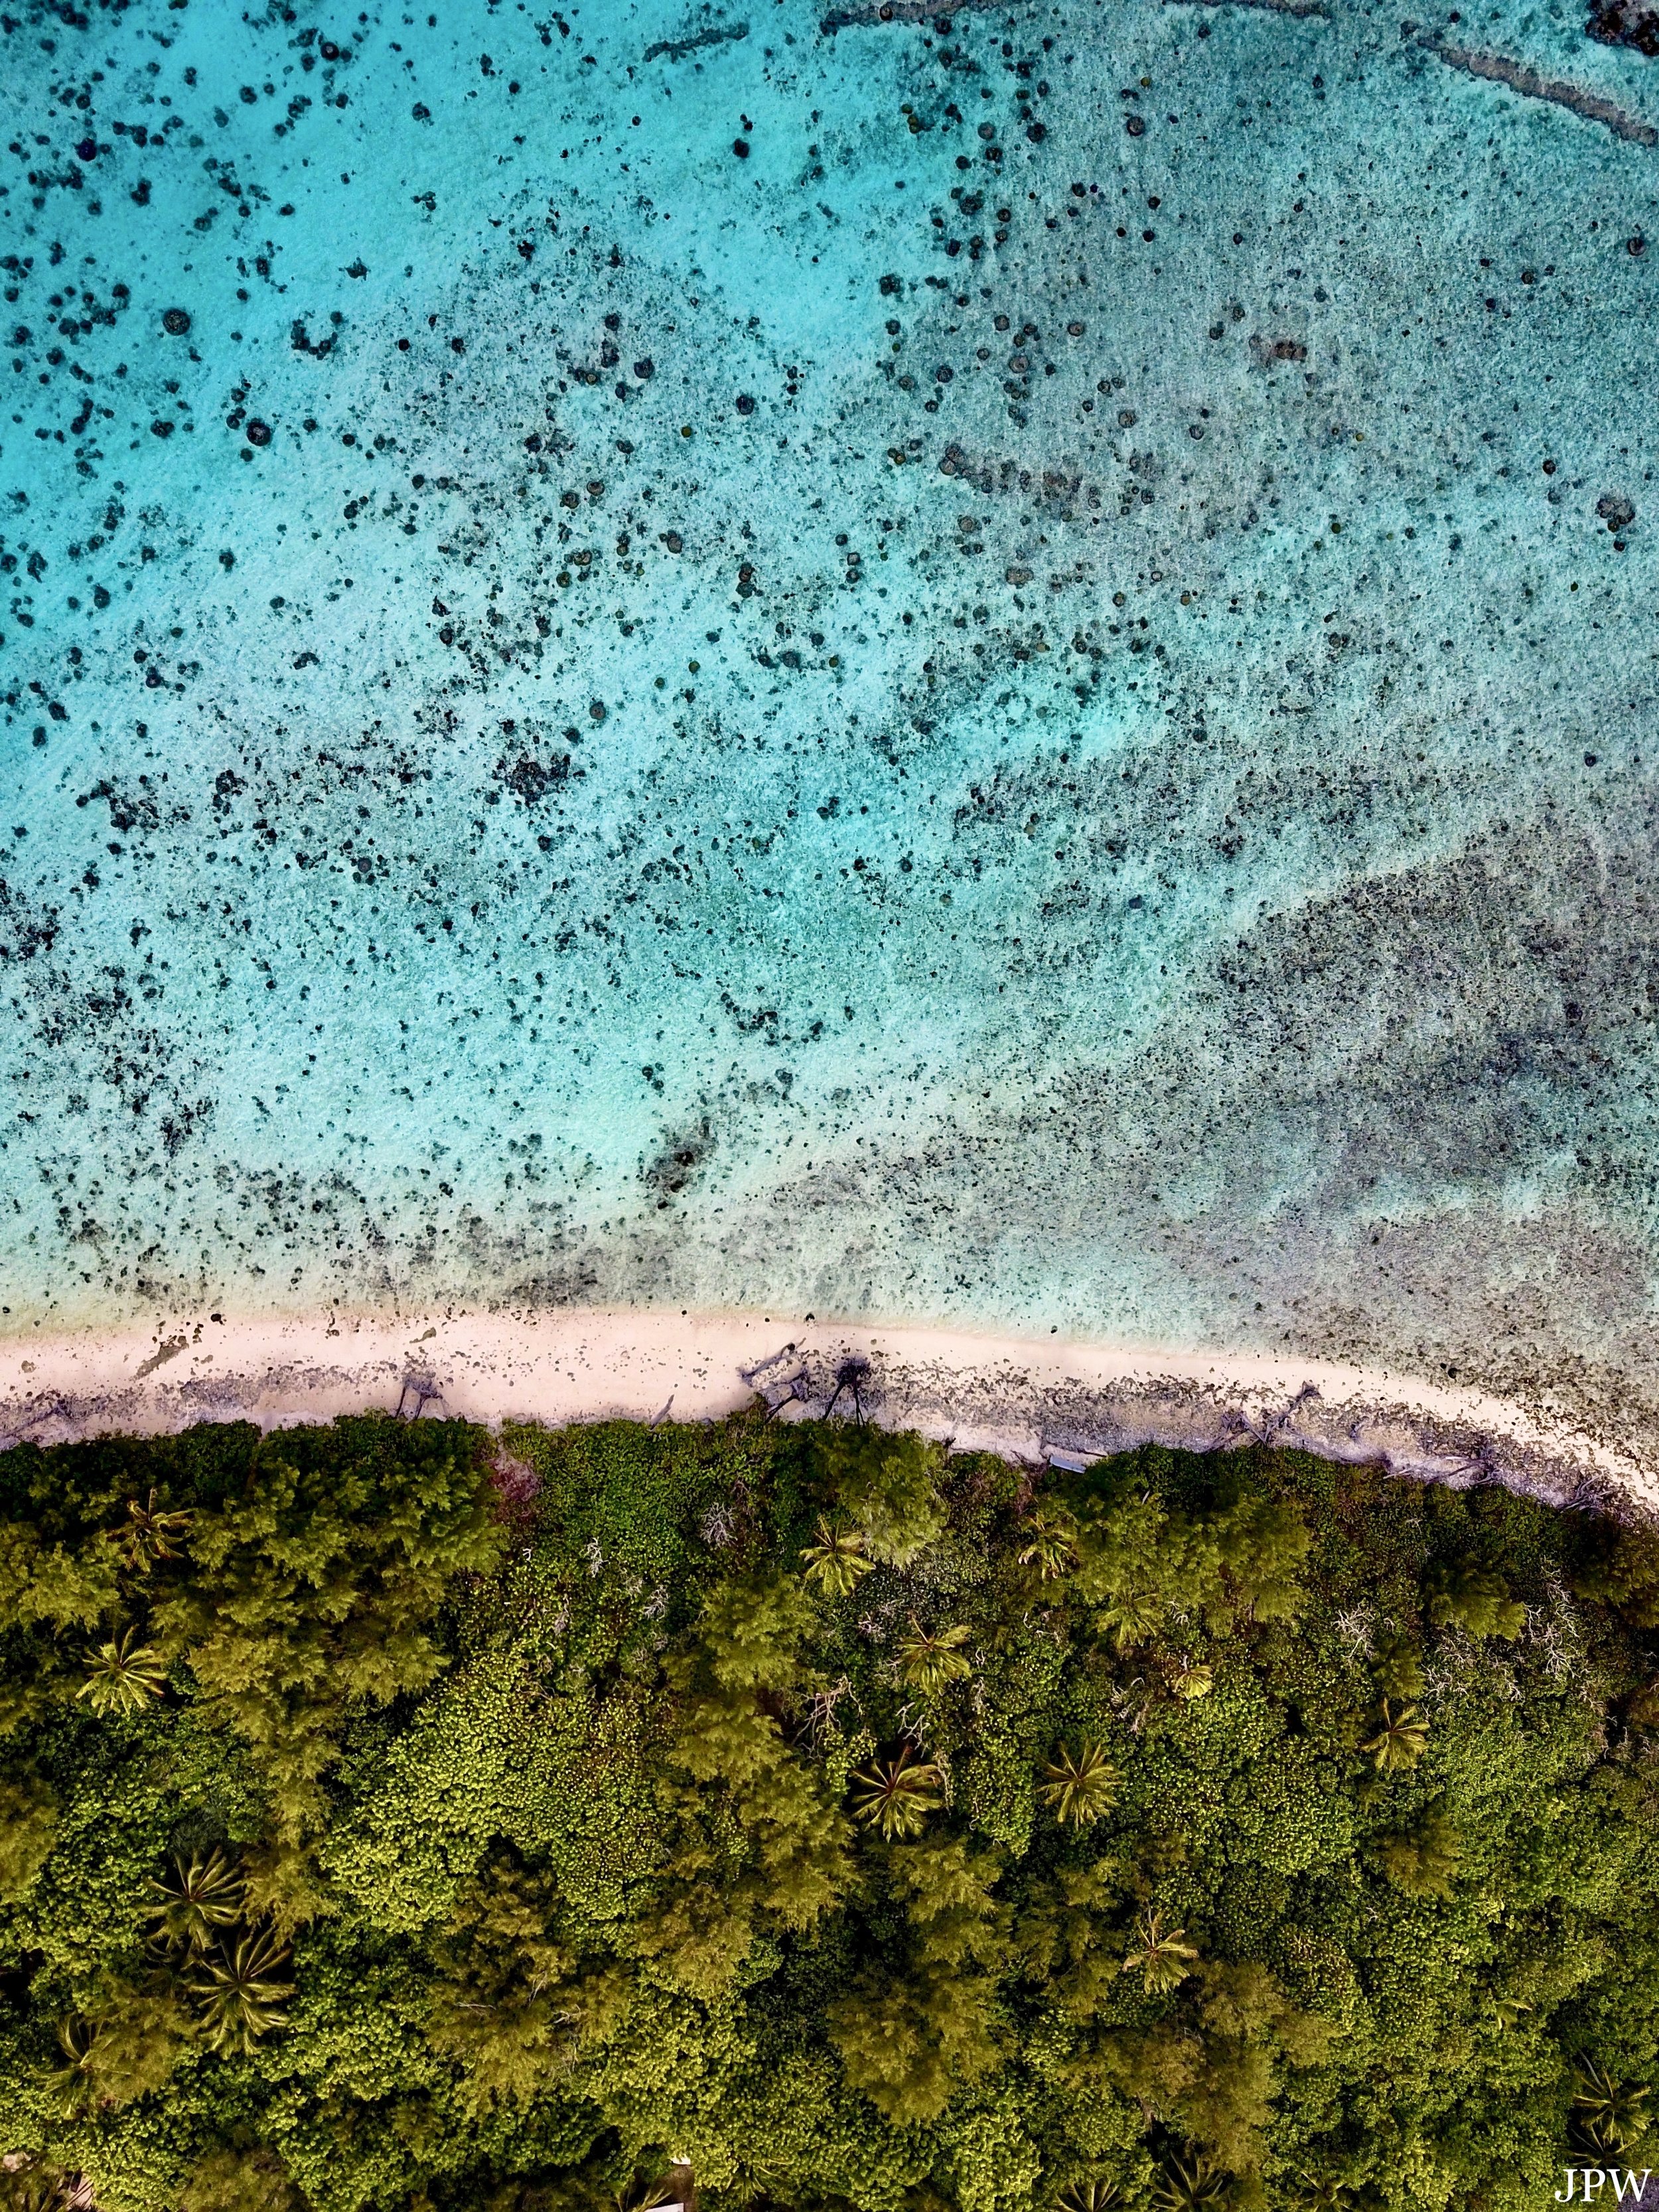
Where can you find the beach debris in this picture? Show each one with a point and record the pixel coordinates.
(778, 1392)
(1072, 1462)
(851, 1374)
(418, 1394)
(772, 1359)
(169, 1348)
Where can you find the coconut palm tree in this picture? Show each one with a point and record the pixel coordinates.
(1130, 1618)
(1051, 1544)
(1319, 2193)
(1090, 2196)
(1189, 1682)
(896, 1794)
(74, 2084)
(1610, 2112)
(30, 2187)
(1162, 1956)
(241, 2000)
(1400, 1741)
(1185, 2185)
(122, 1675)
(643, 2196)
(196, 1902)
(148, 1534)
(836, 1563)
(929, 1662)
(1080, 1785)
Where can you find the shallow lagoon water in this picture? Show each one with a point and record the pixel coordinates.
(707, 727)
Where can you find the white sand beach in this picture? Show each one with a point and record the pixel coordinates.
(1026, 1398)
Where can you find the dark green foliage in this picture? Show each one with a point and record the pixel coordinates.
(488, 1825)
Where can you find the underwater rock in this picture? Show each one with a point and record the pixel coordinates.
(1520, 77)
(1625, 23)
(676, 50)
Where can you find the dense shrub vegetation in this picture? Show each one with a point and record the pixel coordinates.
(394, 1817)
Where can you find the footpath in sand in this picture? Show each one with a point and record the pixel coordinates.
(1029, 1399)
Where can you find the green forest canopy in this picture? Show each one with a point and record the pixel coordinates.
(396, 1816)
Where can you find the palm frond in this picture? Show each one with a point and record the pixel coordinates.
(74, 2084)
(1051, 1544)
(1161, 1956)
(28, 2186)
(122, 1675)
(1399, 1741)
(1609, 2111)
(639, 2196)
(1080, 1785)
(1090, 2196)
(241, 2000)
(150, 1534)
(1189, 1683)
(835, 1563)
(199, 1898)
(1186, 2184)
(896, 1794)
(929, 1662)
(1130, 1618)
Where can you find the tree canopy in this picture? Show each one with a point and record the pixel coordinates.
(396, 1818)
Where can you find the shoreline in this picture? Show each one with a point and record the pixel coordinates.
(1026, 1398)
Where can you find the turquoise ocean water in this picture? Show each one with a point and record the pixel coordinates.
(994, 666)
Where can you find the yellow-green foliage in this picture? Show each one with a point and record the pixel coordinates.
(28, 1827)
(887, 1485)
(492, 1821)
(1423, 1860)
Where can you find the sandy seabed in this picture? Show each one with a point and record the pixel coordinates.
(1029, 1399)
